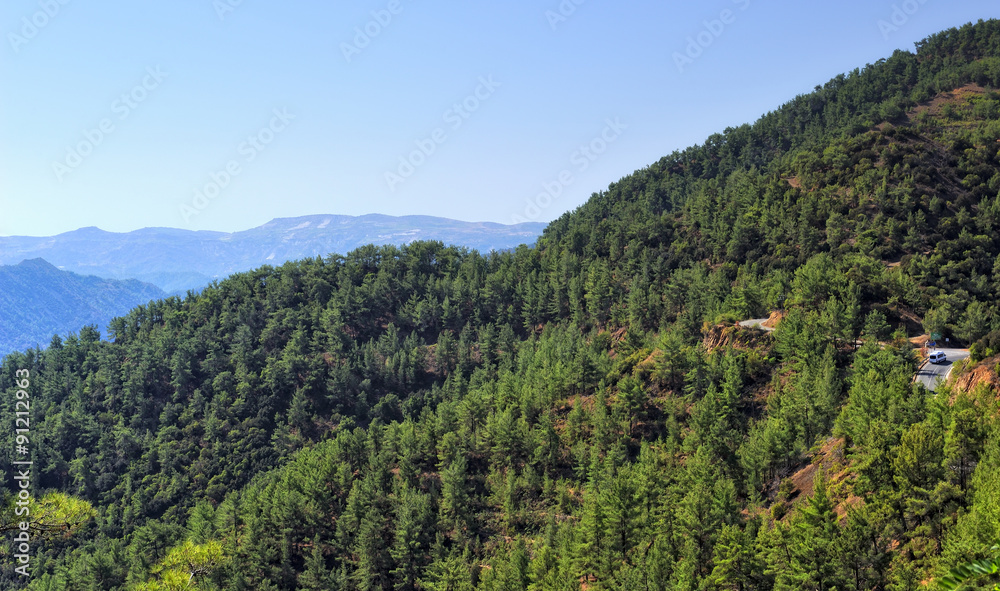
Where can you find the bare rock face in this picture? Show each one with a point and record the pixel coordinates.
(985, 372)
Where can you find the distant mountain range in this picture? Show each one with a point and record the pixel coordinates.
(38, 300)
(179, 260)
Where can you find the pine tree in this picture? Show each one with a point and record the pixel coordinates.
(621, 497)
(736, 565)
(807, 552)
(202, 523)
(708, 503)
(964, 439)
(316, 576)
(511, 572)
(863, 548)
(451, 573)
(591, 550)
(454, 505)
(410, 550)
(371, 572)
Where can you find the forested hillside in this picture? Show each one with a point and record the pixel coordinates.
(38, 301)
(584, 414)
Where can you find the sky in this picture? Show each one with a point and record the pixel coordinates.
(225, 114)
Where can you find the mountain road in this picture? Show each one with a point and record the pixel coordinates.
(930, 374)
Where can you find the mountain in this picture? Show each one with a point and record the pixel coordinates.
(38, 301)
(179, 260)
(587, 413)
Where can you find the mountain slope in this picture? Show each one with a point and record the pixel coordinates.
(178, 260)
(586, 413)
(38, 301)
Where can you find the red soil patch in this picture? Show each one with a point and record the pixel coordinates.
(851, 502)
(831, 458)
(773, 320)
(984, 372)
(936, 104)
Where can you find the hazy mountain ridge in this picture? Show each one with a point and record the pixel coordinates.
(178, 260)
(37, 301)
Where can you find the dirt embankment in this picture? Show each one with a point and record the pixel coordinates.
(773, 320)
(937, 104)
(722, 335)
(986, 372)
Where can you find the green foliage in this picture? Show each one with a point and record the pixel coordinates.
(53, 515)
(967, 572)
(185, 567)
(585, 413)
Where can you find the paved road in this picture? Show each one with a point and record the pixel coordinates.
(930, 373)
(756, 323)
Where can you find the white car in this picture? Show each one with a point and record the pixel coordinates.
(937, 357)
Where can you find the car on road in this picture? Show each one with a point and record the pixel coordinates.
(937, 357)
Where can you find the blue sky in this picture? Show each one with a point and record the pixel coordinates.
(224, 114)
